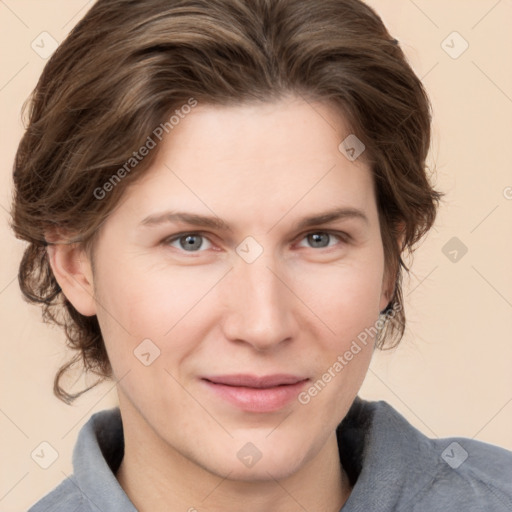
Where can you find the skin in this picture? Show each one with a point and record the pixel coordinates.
(295, 309)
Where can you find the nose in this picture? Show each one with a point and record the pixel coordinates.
(260, 305)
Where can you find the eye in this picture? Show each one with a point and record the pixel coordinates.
(321, 239)
(195, 242)
(190, 242)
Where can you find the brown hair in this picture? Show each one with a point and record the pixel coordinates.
(128, 64)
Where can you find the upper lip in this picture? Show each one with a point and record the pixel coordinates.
(253, 381)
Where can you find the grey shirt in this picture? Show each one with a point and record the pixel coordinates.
(392, 466)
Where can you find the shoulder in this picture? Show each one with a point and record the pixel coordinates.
(96, 456)
(472, 474)
(66, 497)
(395, 467)
(453, 473)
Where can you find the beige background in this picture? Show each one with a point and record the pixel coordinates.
(451, 376)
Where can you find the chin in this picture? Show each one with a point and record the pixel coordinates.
(253, 464)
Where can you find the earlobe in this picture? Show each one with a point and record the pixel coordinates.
(385, 301)
(73, 271)
(389, 285)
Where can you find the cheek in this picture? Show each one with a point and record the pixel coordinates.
(345, 297)
(346, 300)
(161, 305)
(150, 301)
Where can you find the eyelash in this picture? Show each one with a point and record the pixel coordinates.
(344, 237)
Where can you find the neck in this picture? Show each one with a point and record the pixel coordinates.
(157, 478)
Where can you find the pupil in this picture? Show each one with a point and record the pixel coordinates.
(191, 242)
(316, 239)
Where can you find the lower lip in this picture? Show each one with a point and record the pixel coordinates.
(257, 399)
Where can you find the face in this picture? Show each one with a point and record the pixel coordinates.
(256, 291)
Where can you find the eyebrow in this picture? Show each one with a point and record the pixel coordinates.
(219, 224)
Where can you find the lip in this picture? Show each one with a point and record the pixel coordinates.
(251, 393)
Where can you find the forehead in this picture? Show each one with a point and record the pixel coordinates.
(266, 158)
(269, 134)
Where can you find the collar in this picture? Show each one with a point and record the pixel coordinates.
(386, 459)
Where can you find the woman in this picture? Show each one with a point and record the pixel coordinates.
(217, 196)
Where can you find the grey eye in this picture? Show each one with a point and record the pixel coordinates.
(189, 242)
(319, 239)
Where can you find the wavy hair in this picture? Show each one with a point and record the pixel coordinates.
(127, 65)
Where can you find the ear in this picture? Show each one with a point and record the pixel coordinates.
(389, 281)
(72, 269)
(387, 292)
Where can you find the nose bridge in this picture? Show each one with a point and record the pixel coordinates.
(260, 305)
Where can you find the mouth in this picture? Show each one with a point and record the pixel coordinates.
(251, 393)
